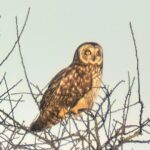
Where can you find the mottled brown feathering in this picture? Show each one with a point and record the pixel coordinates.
(73, 89)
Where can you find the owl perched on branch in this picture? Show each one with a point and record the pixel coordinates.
(73, 89)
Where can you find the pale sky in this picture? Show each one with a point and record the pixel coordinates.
(55, 29)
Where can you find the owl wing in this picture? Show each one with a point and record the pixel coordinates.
(53, 85)
(66, 88)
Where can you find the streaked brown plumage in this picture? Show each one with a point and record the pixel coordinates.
(73, 89)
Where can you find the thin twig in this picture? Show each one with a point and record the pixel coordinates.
(22, 62)
(25, 22)
(138, 78)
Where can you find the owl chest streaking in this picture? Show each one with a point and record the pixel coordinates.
(73, 89)
(90, 92)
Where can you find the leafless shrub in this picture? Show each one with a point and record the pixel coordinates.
(96, 129)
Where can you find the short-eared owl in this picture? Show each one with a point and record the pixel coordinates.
(73, 89)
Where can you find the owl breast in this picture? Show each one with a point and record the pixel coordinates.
(96, 81)
(86, 102)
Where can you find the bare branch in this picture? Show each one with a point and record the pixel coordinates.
(22, 62)
(10, 52)
(138, 78)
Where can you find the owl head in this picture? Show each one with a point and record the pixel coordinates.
(89, 53)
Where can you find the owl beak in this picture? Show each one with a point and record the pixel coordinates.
(93, 58)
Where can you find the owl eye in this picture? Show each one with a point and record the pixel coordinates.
(87, 52)
(98, 53)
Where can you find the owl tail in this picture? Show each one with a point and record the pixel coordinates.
(38, 125)
(45, 120)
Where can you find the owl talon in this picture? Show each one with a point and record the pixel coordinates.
(74, 111)
(63, 113)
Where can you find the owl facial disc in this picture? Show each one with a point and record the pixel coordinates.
(90, 53)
